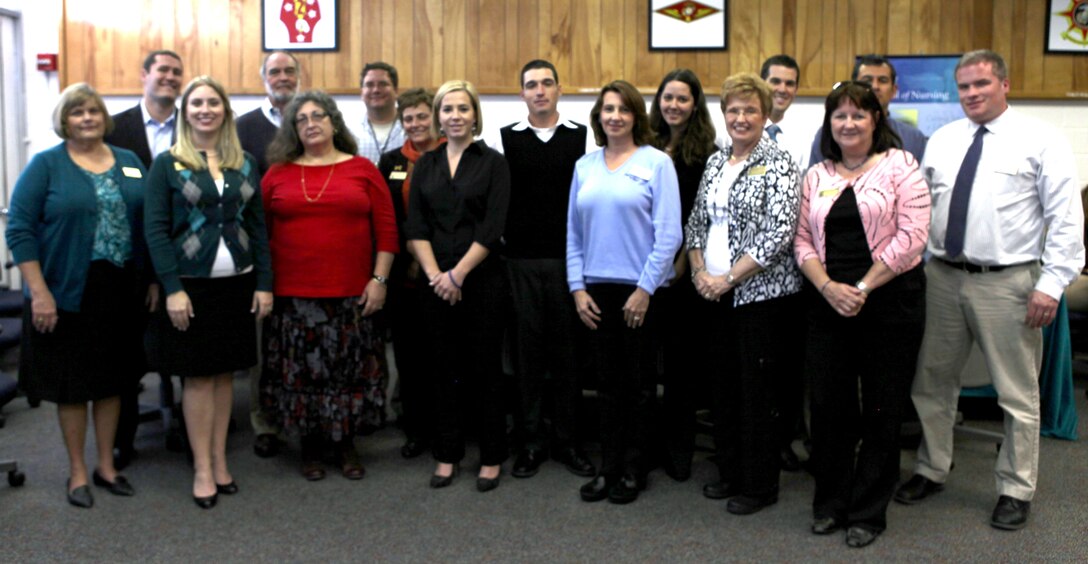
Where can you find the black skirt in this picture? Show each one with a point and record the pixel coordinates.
(91, 354)
(222, 334)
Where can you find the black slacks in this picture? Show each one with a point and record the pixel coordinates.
(879, 348)
(751, 346)
(545, 329)
(467, 342)
(624, 361)
(414, 359)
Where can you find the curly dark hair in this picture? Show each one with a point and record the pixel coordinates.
(286, 146)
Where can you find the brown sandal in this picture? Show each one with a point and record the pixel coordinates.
(349, 462)
(312, 470)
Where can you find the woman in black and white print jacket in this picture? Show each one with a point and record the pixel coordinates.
(739, 239)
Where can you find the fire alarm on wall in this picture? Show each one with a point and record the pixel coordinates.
(47, 61)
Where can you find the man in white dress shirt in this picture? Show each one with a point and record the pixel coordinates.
(1006, 238)
(784, 76)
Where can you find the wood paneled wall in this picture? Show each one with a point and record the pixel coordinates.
(590, 41)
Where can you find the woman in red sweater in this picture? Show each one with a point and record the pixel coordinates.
(332, 234)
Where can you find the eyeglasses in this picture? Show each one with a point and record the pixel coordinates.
(844, 83)
(303, 119)
(746, 112)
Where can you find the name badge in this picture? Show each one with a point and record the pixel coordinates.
(757, 170)
(131, 172)
(398, 175)
(828, 192)
(640, 172)
(178, 166)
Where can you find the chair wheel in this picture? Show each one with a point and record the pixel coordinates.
(16, 478)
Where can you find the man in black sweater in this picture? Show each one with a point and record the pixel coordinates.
(279, 73)
(256, 128)
(541, 151)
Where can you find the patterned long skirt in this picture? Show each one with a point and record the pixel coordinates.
(324, 371)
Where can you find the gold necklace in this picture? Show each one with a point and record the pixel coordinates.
(322, 192)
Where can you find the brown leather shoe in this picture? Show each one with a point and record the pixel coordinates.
(312, 470)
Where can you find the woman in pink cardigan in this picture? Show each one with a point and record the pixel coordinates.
(863, 227)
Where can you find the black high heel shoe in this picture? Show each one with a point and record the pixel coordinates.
(206, 502)
(487, 484)
(227, 489)
(443, 481)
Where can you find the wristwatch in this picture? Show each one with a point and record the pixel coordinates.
(861, 285)
(730, 279)
(384, 281)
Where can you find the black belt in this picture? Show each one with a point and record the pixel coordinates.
(978, 268)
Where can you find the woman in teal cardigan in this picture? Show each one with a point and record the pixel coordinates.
(206, 233)
(76, 235)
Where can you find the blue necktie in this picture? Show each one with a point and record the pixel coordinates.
(773, 130)
(961, 197)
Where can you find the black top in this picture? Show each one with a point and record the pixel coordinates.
(689, 177)
(540, 177)
(453, 213)
(256, 133)
(395, 162)
(848, 256)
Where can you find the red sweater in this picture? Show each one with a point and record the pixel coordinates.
(325, 248)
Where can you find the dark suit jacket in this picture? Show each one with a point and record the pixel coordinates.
(129, 133)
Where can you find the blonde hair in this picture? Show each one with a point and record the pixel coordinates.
(227, 145)
(456, 86)
(73, 97)
(745, 84)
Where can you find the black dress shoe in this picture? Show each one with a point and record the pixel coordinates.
(720, 490)
(625, 490)
(749, 504)
(266, 445)
(917, 488)
(206, 502)
(486, 484)
(81, 496)
(825, 526)
(227, 489)
(576, 461)
(858, 536)
(677, 466)
(595, 489)
(787, 460)
(119, 485)
(413, 448)
(1011, 514)
(443, 481)
(528, 463)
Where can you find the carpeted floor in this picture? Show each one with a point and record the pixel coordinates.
(392, 515)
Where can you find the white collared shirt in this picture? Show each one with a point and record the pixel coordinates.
(160, 136)
(271, 113)
(1025, 201)
(795, 138)
(543, 133)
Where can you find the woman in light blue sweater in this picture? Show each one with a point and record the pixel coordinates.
(623, 229)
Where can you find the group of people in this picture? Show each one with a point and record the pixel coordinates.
(728, 260)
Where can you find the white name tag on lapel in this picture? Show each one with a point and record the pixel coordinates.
(640, 172)
(131, 172)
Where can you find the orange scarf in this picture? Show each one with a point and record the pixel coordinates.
(412, 154)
